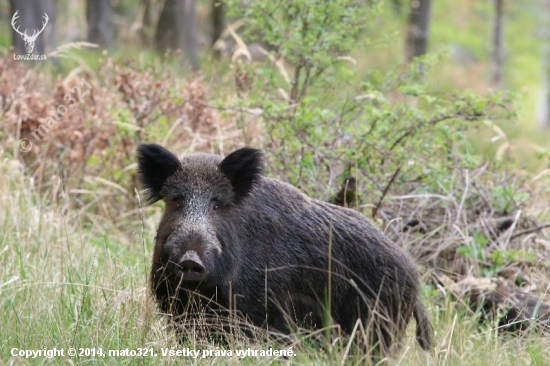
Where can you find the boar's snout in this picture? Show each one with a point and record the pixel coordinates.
(191, 267)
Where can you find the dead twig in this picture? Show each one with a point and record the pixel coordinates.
(385, 191)
(530, 230)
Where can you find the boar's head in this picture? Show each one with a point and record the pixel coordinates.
(195, 246)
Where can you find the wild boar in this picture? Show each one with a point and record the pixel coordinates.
(280, 258)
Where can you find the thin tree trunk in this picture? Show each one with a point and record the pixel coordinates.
(544, 104)
(419, 29)
(99, 15)
(498, 51)
(191, 33)
(218, 22)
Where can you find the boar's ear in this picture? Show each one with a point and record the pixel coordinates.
(155, 165)
(244, 169)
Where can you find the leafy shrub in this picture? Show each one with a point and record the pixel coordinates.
(326, 121)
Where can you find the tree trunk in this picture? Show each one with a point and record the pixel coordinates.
(191, 33)
(218, 22)
(419, 29)
(498, 52)
(169, 30)
(99, 15)
(31, 17)
(177, 29)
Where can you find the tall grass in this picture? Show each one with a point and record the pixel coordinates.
(67, 283)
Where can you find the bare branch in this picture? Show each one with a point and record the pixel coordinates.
(531, 230)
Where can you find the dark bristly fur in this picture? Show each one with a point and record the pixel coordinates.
(264, 247)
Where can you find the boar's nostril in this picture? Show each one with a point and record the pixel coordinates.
(191, 267)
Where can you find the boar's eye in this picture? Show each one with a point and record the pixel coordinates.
(215, 206)
(178, 198)
(176, 202)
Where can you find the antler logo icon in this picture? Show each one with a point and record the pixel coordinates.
(29, 40)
